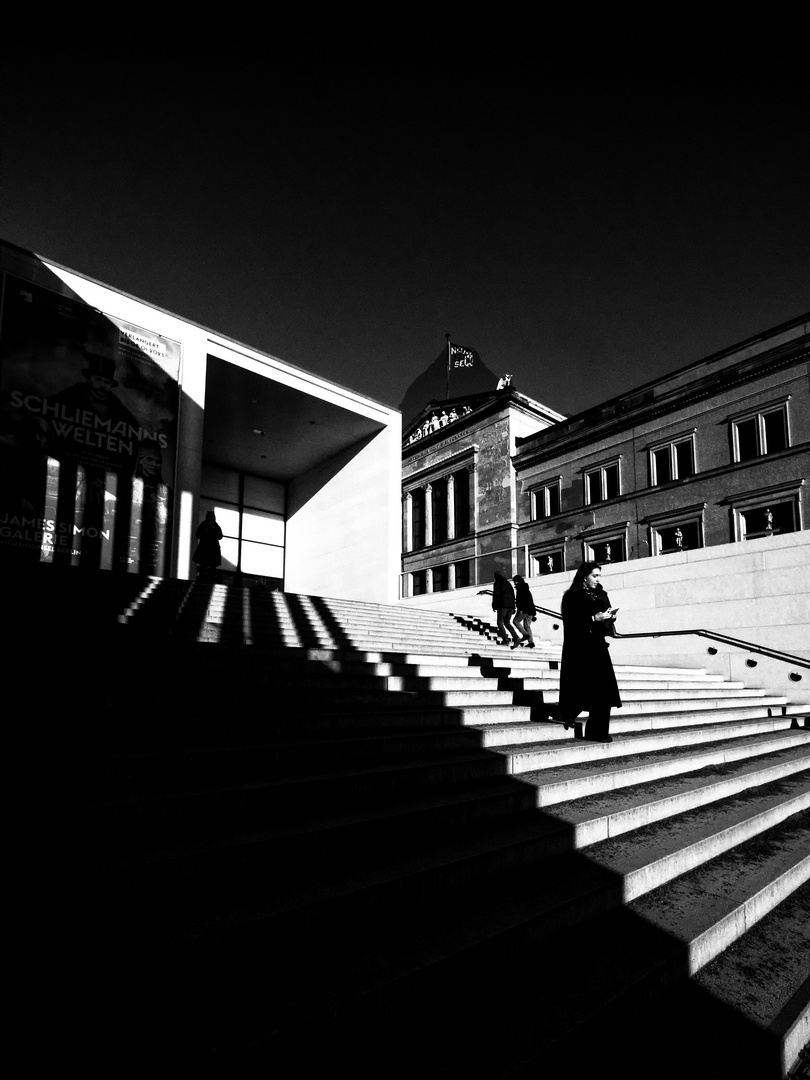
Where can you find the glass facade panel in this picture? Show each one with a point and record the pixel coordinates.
(263, 560)
(262, 527)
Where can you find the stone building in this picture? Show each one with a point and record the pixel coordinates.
(714, 453)
(458, 486)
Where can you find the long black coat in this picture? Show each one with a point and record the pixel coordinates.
(587, 679)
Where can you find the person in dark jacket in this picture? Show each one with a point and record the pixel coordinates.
(208, 553)
(526, 611)
(503, 604)
(587, 680)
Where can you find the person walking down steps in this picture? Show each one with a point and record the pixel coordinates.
(503, 604)
(587, 680)
(526, 611)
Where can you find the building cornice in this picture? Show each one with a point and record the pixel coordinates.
(635, 408)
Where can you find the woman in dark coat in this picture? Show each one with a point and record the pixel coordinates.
(208, 553)
(587, 680)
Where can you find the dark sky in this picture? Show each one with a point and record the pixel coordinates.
(585, 225)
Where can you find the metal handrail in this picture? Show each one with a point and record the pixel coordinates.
(748, 646)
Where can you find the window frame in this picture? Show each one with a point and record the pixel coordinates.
(758, 414)
(618, 532)
(601, 469)
(537, 552)
(542, 492)
(684, 515)
(763, 499)
(671, 444)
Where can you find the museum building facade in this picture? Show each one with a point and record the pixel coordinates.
(714, 453)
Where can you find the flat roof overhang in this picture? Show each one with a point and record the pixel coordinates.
(270, 429)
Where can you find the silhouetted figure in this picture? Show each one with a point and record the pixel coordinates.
(208, 554)
(503, 604)
(526, 611)
(587, 680)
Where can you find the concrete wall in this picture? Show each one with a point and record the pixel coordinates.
(343, 523)
(757, 591)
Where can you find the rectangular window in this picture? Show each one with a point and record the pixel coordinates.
(462, 574)
(602, 483)
(418, 517)
(673, 461)
(683, 536)
(419, 582)
(761, 433)
(768, 520)
(607, 551)
(461, 499)
(440, 578)
(547, 562)
(439, 510)
(546, 500)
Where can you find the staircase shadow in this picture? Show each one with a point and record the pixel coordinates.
(459, 975)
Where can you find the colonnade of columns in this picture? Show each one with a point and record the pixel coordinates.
(449, 501)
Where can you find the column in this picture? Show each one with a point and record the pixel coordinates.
(451, 508)
(451, 576)
(407, 522)
(428, 516)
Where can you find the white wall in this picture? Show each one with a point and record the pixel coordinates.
(755, 590)
(343, 522)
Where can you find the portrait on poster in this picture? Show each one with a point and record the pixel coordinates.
(88, 415)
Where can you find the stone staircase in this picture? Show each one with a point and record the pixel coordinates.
(298, 834)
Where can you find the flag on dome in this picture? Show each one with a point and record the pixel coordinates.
(460, 358)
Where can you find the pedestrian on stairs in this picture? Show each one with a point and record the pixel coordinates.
(208, 554)
(503, 604)
(587, 680)
(526, 611)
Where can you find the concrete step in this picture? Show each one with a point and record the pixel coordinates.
(631, 806)
(490, 849)
(747, 1009)
(524, 759)
(429, 975)
(582, 778)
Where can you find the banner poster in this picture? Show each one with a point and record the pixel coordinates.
(88, 435)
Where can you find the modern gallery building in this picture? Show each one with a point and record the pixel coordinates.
(121, 424)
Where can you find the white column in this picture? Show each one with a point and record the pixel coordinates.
(428, 516)
(429, 580)
(407, 522)
(451, 576)
(451, 507)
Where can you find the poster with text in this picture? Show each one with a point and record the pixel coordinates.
(88, 434)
